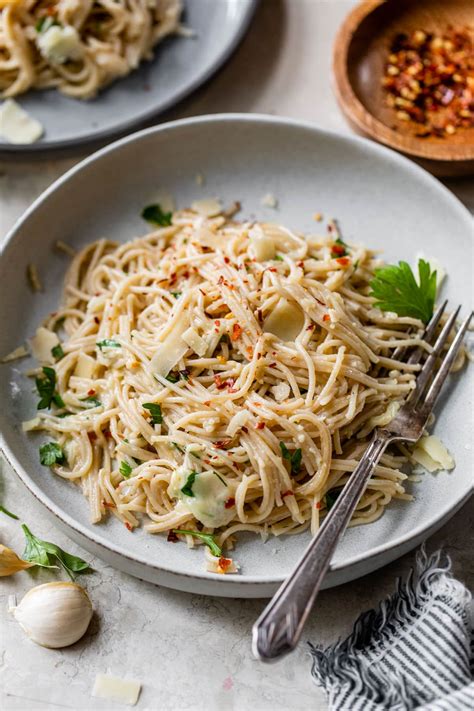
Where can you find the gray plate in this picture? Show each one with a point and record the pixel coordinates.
(178, 67)
(379, 197)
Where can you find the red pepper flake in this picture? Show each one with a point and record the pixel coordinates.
(91, 392)
(218, 323)
(272, 269)
(224, 564)
(128, 526)
(108, 434)
(318, 505)
(326, 317)
(226, 260)
(221, 280)
(236, 332)
(108, 505)
(260, 425)
(287, 493)
(300, 264)
(249, 350)
(172, 537)
(338, 250)
(343, 261)
(185, 275)
(92, 436)
(272, 365)
(244, 429)
(207, 403)
(310, 327)
(96, 320)
(259, 316)
(222, 443)
(229, 503)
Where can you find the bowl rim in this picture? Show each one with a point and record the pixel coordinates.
(367, 122)
(96, 537)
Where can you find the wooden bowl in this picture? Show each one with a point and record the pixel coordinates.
(360, 52)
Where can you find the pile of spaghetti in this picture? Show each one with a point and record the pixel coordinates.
(78, 46)
(221, 376)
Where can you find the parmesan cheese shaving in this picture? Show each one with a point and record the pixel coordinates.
(30, 425)
(170, 351)
(281, 392)
(20, 352)
(209, 207)
(194, 341)
(285, 321)
(262, 245)
(124, 691)
(16, 125)
(85, 366)
(431, 453)
(42, 344)
(237, 422)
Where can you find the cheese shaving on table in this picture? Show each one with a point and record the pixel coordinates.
(17, 126)
(113, 688)
(433, 456)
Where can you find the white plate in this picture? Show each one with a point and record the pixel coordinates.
(380, 199)
(178, 67)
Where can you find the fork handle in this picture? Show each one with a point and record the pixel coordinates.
(278, 629)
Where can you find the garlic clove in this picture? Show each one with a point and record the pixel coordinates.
(10, 563)
(55, 614)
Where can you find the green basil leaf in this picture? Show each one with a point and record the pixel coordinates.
(187, 489)
(108, 343)
(208, 539)
(155, 412)
(51, 453)
(156, 216)
(125, 469)
(57, 352)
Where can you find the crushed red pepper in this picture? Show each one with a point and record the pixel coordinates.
(236, 331)
(429, 80)
(229, 503)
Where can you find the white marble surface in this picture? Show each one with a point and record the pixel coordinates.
(192, 652)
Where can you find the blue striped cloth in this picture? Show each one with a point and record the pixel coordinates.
(415, 652)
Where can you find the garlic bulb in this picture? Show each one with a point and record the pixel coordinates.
(55, 614)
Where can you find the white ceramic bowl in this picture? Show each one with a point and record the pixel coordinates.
(379, 198)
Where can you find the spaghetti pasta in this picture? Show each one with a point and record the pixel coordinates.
(225, 376)
(78, 46)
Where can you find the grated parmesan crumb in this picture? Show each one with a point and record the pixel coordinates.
(269, 200)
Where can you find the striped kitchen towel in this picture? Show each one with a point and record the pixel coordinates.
(415, 652)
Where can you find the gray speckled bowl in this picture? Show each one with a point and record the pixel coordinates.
(178, 67)
(379, 198)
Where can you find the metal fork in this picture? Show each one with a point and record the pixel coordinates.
(278, 629)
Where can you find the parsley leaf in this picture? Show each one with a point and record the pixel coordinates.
(178, 447)
(208, 539)
(176, 294)
(156, 215)
(339, 249)
(155, 412)
(172, 377)
(46, 555)
(331, 498)
(51, 453)
(46, 389)
(278, 258)
(8, 513)
(57, 352)
(125, 469)
(293, 457)
(91, 400)
(108, 343)
(396, 289)
(187, 489)
(44, 23)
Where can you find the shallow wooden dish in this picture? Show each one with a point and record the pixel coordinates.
(360, 52)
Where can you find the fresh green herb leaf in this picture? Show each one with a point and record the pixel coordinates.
(395, 289)
(176, 294)
(108, 343)
(187, 489)
(293, 457)
(65, 414)
(331, 498)
(51, 453)
(44, 23)
(278, 258)
(91, 400)
(46, 555)
(155, 412)
(208, 539)
(184, 374)
(125, 469)
(8, 513)
(172, 377)
(156, 215)
(59, 323)
(177, 446)
(57, 352)
(46, 389)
